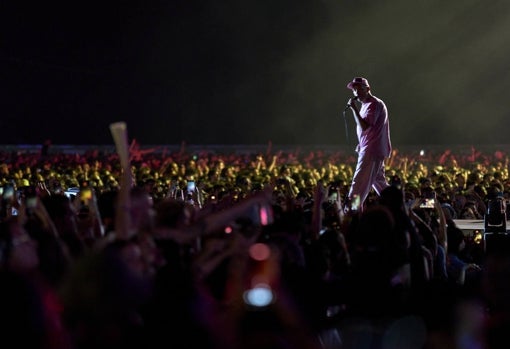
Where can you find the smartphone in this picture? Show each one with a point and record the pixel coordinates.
(259, 296)
(266, 215)
(85, 196)
(428, 203)
(355, 203)
(477, 236)
(262, 215)
(31, 202)
(71, 192)
(191, 186)
(8, 192)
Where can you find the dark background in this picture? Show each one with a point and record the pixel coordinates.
(252, 71)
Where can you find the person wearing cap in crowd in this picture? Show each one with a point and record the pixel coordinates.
(374, 143)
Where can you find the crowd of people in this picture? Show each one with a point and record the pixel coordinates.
(256, 250)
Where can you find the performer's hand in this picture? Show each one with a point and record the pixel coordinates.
(351, 102)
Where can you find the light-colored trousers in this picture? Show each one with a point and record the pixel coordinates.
(369, 174)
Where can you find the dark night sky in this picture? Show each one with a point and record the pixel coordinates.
(252, 71)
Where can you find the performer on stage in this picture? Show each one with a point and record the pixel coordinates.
(374, 143)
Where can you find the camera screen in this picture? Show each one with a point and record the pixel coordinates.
(85, 195)
(8, 192)
(259, 296)
(31, 202)
(355, 203)
(427, 203)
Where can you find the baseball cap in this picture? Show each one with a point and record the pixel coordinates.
(358, 81)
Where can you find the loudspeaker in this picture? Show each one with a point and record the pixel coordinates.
(496, 243)
(495, 217)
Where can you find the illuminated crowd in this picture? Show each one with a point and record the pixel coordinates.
(217, 174)
(249, 250)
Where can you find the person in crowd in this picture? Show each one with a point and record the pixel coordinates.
(459, 269)
(392, 197)
(30, 301)
(429, 217)
(380, 265)
(167, 258)
(104, 295)
(495, 289)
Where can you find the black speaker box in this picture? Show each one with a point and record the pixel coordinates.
(496, 243)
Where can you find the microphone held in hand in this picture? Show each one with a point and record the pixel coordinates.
(348, 104)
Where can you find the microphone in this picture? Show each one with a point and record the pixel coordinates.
(348, 105)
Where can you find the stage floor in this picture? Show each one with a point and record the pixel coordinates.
(469, 225)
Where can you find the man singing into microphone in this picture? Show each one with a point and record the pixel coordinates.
(374, 144)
